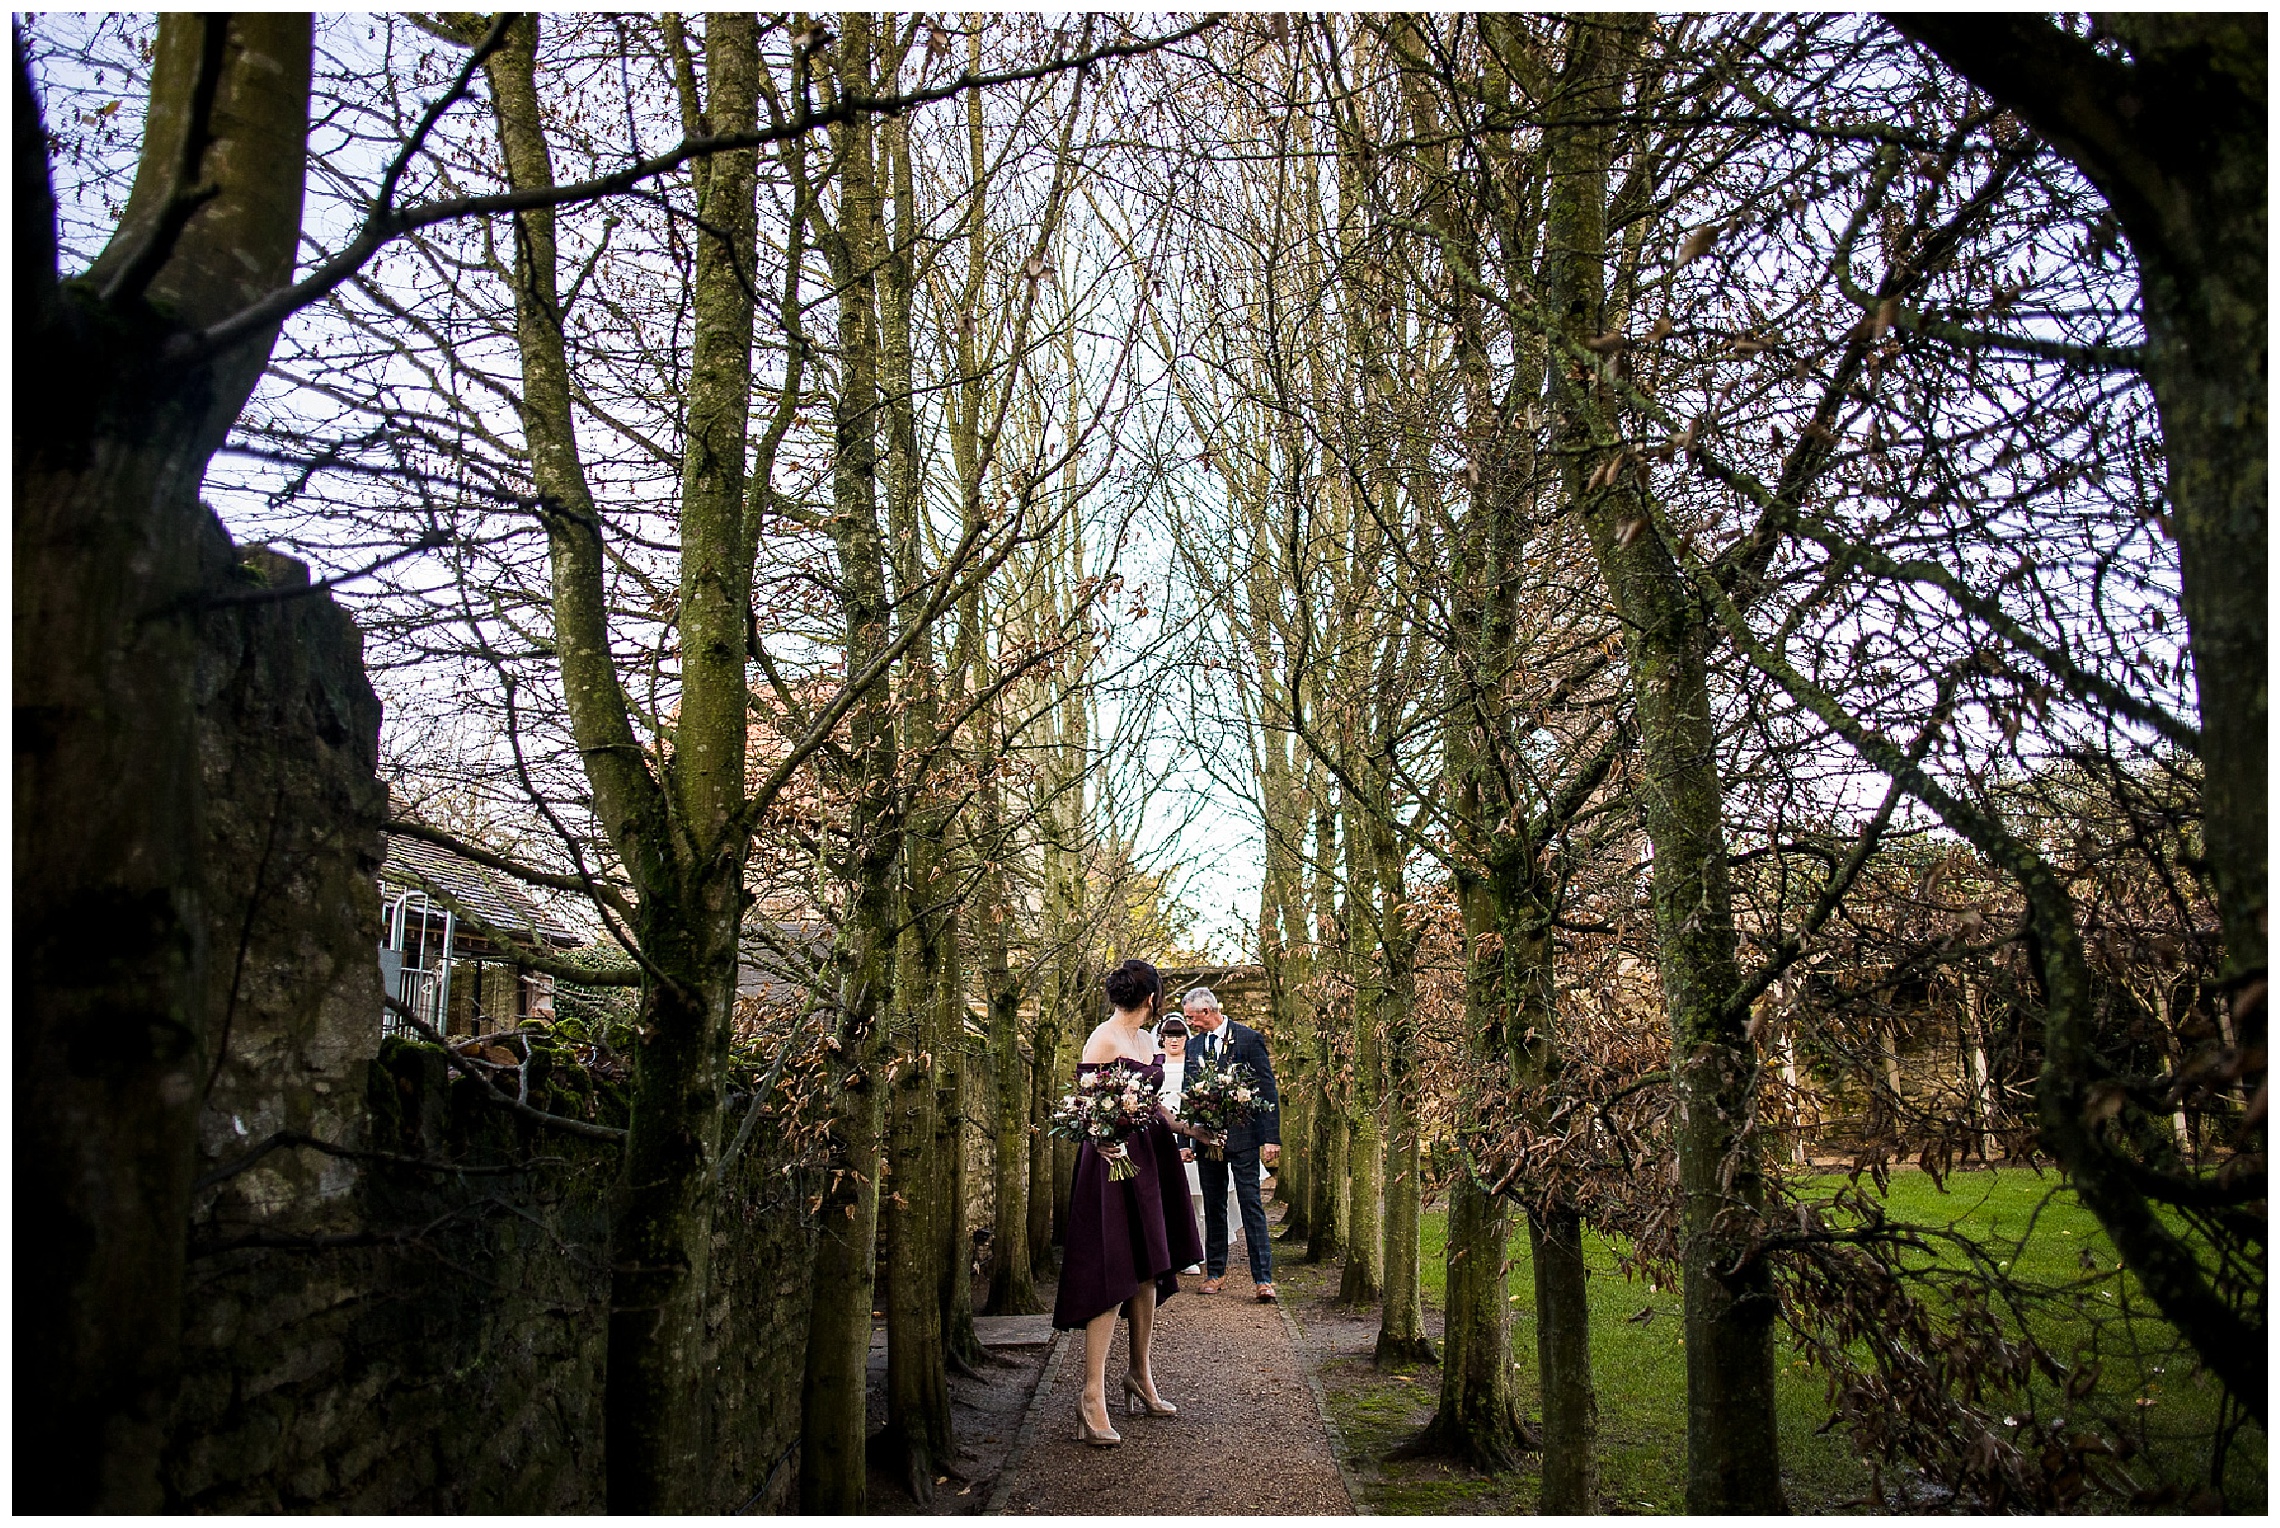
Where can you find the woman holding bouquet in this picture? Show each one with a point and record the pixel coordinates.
(1129, 1228)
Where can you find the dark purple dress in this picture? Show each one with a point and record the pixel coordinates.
(1123, 1233)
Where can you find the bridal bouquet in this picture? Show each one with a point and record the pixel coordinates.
(1112, 1104)
(1218, 1099)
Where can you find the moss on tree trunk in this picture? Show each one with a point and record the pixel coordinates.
(1401, 1335)
(1732, 1439)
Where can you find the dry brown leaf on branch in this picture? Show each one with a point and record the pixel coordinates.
(2103, 1102)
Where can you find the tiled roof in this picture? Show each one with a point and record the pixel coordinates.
(494, 898)
(762, 972)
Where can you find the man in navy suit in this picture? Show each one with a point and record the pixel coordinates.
(1258, 1140)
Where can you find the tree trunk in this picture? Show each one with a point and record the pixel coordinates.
(1401, 1319)
(1478, 1419)
(1563, 1307)
(1068, 1028)
(832, 1464)
(1076, 998)
(914, 1212)
(1563, 1364)
(1401, 1335)
(1732, 1437)
(832, 1427)
(1013, 1095)
(1013, 1291)
(1282, 956)
(1044, 1086)
(1289, 968)
(1294, 1179)
(918, 1387)
(111, 446)
(681, 834)
(1362, 1281)
(1326, 1241)
(1733, 1442)
(661, 1237)
(955, 1259)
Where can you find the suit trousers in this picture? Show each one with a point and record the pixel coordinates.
(1243, 1167)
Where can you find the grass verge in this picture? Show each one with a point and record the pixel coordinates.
(2147, 1386)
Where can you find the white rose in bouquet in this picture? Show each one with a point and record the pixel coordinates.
(1111, 1103)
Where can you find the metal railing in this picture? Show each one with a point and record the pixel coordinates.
(415, 962)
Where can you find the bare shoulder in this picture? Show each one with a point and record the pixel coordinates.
(1100, 1045)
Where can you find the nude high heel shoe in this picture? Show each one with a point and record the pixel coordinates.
(1136, 1400)
(1099, 1438)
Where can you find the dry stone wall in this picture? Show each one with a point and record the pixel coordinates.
(447, 1352)
(413, 1316)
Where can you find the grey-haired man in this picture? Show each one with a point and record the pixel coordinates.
(1221, 1042)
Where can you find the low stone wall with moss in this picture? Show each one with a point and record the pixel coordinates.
(442, 1347)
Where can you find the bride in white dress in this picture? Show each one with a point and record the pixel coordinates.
(1171, 1039)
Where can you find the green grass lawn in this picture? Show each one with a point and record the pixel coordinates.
(2145, 1386)
(1639, 1368)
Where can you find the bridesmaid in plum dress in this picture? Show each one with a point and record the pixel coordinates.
(1126, 1241)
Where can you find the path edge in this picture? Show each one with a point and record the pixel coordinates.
(1322, 1409)
(1046, 1375)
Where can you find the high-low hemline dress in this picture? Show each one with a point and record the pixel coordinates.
(1122, 1234)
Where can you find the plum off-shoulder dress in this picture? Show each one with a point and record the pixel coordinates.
(1121, 1235)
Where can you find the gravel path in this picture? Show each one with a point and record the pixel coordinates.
(1248, 1439)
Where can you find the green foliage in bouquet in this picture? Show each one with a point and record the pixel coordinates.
(1218, 1099)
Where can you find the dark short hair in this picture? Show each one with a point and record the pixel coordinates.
(1173, 1025)
(1133, 983)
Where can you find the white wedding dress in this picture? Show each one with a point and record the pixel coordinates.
(1175, 1073)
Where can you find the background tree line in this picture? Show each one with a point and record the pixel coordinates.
(1703, 476)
